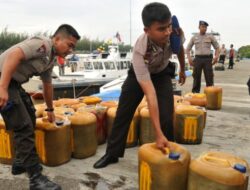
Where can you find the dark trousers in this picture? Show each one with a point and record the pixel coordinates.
(204, 64)
(130, 98)
(222, 59)
(231, 63)
(21, 119)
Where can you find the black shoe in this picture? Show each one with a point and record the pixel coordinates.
(105, 160)
(18, 168)
(41, 182)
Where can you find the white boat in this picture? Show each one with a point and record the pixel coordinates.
(103, 66)
(116, 84)
(91, 73)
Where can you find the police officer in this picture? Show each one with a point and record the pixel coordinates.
(149, 76)
(203, 58)
(31, 57)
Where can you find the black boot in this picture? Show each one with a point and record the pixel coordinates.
(17, 168)
(41, 182)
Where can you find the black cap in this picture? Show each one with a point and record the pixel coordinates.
(202, 22)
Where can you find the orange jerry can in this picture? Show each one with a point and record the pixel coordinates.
(6, 144)
(53, 141)
(218, 170)
(158, 171)
(179, 100)
(109, 103)
(100, 113)
(90, 100)
(65, 102)
(132, 137)
(188, 124)
(196, 99)
(83, 131)
(147, 133)
(214, 97)
(40, 108)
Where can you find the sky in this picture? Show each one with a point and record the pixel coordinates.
(101, 19)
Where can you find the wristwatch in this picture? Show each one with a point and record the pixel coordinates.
(49, 109)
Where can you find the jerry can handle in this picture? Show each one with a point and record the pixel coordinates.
(214, 159)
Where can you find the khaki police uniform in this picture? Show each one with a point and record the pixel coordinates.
(203, 59)
(21, 116)
(150, 62)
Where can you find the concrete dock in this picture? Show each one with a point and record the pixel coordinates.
(227, 130)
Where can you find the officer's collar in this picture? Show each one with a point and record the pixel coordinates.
(52, 52)
(157, 47)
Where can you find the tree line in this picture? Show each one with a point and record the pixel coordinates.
(244, 51)
(85, 45)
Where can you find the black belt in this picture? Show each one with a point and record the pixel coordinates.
(204, 56)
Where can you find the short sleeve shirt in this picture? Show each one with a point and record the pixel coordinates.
(223, 51)
(37, 62)
(148, 58)
(202, 44)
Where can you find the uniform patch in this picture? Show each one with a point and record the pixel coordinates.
(42, 49)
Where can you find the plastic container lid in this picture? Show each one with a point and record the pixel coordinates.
(241, 168)
(68, 113)
(59, 122)
(174, 156)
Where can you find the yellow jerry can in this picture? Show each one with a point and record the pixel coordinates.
(90, 100)
(158, 171)
(132, 137)
(179, 100)
(147, 133)
(100, 113)
(83, 131)
(109, 103)
(218, 170)
(196, 99)
(53, 141)
(40, 108)
(214, 97)
(65, 102)
(188, 124)
(6, 144)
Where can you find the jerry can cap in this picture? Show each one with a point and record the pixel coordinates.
(241, 168)
(174, 156)
(68, 113)
(59, 122)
